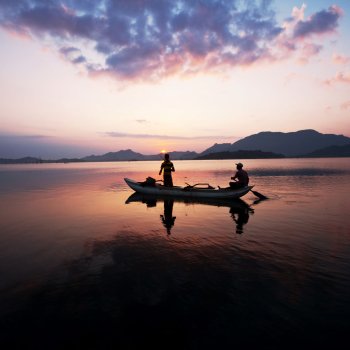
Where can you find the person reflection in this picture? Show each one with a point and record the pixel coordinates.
(168, 219)
(240, 216)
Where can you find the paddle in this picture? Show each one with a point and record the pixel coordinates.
(258, 194)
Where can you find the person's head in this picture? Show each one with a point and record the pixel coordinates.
(166, 156)
(239, 165)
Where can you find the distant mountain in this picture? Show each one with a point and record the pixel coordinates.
(267, 144)
(188, 155)
(332, 151)
(24, 160)
(290, 144)
(241, 154)
(33, 160)
(217, 147)
(115, 156)
(125, 155)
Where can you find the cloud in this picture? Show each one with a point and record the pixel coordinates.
(309, 50)
(163, 137)
(73, 55)
(152, 39)
(340, 77)
(23, 137)
(345, 106)
(340, 59)
(36, 145)
(321, 22)
(299, 35)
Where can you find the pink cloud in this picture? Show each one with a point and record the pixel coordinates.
(340, 77)
(345, 105)
(307, 51)
(340, 59)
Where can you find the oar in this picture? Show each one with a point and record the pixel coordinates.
(258, 194)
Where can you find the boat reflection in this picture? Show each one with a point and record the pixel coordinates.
(239, 210)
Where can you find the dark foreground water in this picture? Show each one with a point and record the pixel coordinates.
(86, 264)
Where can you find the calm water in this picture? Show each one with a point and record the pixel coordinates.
(85, 263)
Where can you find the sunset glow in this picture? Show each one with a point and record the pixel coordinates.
(175, 76)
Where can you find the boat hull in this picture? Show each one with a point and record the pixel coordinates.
(187, 192)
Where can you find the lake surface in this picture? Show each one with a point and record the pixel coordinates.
(85, 263)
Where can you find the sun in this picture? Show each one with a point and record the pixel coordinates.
(163, 151)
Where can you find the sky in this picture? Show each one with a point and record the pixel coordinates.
(81, 77)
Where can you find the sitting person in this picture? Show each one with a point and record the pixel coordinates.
(241, 178)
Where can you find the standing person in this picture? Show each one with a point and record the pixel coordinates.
(167, 167)
(241, 177)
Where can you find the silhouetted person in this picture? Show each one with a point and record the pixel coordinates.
(241, 177)
(168, 219)
(167, 167)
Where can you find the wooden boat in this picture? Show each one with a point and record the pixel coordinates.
(188, 191)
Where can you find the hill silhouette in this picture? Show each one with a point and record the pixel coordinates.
(290, 144)
(332, 151)
(241, 154)
(129, 155)
(267, 144)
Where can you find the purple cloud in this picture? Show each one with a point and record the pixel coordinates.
(151, 39)
(158, 136)
(73, 55)
(321, 22)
